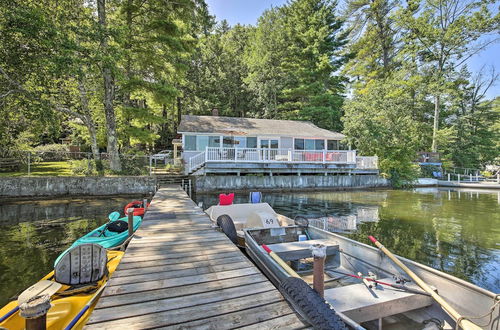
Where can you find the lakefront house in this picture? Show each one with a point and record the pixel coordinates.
(215, 144)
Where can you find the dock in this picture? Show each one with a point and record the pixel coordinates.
(180, 272)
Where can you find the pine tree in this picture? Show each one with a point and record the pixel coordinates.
(314, 38)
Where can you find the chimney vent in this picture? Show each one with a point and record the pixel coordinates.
(215, 112)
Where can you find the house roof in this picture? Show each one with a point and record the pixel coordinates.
(254, 127)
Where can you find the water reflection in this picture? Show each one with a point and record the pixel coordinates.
(34, 233)
(453, 230)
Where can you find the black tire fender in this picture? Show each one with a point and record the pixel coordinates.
(227, 225)
(310, 305)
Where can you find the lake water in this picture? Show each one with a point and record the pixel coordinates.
(34, 233)
(453, 230)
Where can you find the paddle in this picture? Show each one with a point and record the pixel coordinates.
(113, 216)
(466, 324)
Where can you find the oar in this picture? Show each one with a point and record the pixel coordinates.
(395, 286)
(85, 308)
(280, 261)
(465, 324)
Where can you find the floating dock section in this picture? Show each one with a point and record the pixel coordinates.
(179, 272)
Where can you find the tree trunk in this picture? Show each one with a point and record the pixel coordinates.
(87, 116)
(437, 105)
(179, 112)
(109, 90)
(93, 140)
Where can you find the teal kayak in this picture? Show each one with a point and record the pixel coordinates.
(106, 235)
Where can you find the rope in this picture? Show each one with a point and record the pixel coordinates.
(496, 301)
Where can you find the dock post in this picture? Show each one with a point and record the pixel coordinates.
(34, 311)
(319, 254)
(145, 204)
(498, 178)
(448, 177)
(130, 213)
(459, 178)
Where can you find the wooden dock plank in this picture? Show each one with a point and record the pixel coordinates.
(178, 282)
(261, 317)
(181, 315)
(150, 276)
(177, 248)
(179, 272)
(180, 266)
(167, 304)
(181, 241)
(163, 293)
(169, 261)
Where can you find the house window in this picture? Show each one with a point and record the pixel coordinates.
(333, 145)
(214, 141)
(228, 142)
(273, 144)
(251, 142)
(190, 142)
(310, 145)
(299, 144)
(201, 142)
(319, 144)
(240, 142)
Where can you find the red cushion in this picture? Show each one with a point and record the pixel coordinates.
(226, 199)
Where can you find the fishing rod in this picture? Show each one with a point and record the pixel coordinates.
(461, 321)
(395, 286)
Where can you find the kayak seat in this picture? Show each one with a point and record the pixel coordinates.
(300, 249)
(118, 226)
(85, 263)
(381, 301)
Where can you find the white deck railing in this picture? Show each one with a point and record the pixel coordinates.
(367, 162)
(196, 162)
(258, 155)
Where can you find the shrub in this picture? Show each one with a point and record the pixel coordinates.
(83, 167)
(51, 152)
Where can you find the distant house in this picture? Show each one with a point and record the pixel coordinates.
(235, 143)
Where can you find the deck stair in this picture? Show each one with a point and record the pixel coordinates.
(370, 304)
(164, 180)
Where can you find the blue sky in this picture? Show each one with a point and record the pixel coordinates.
(248, 11)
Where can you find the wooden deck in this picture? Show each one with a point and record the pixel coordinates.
(178, 272)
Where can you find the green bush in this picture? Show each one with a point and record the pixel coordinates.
(86, 167)
(51, 152)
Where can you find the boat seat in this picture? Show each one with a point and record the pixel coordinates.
(300, 250)
(85, 263)
(362, 304)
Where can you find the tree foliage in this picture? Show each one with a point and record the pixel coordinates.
(391, 74)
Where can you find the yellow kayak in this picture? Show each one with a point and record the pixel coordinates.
(67, 302)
